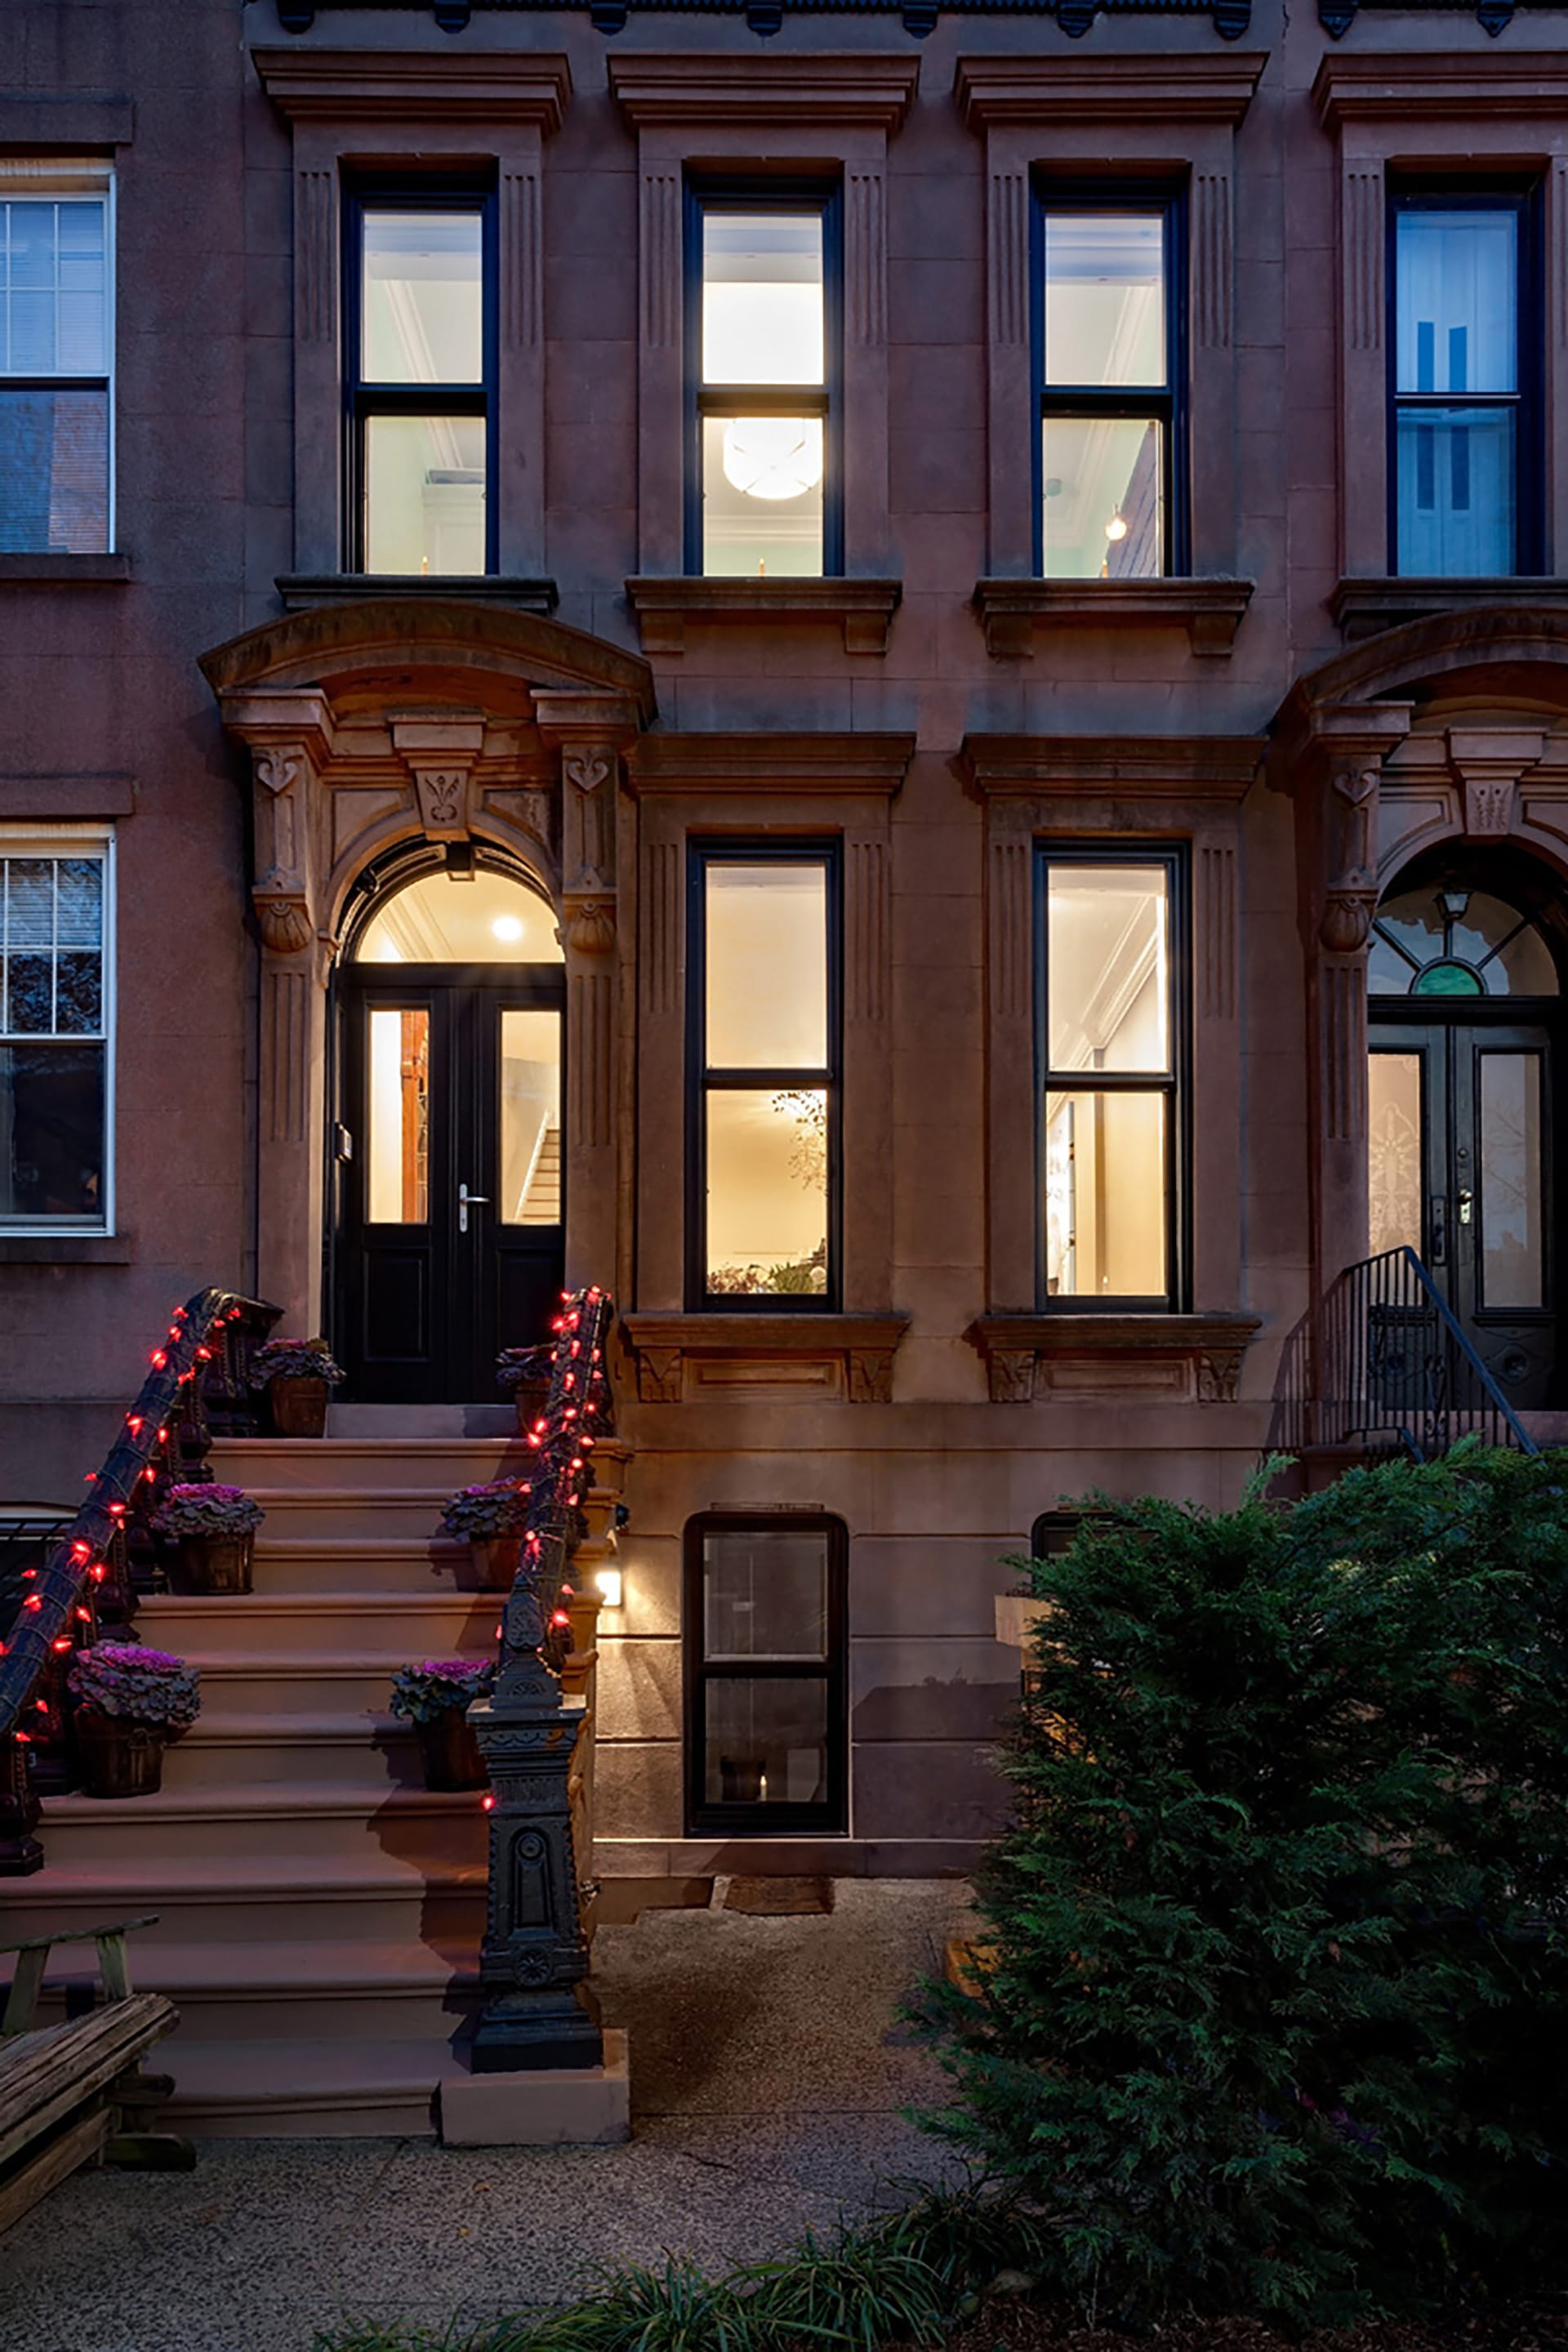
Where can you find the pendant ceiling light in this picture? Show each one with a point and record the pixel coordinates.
(773, 456)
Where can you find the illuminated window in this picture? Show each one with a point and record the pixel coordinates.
(56, 1063)
(1111, 493)
(764, 1629)
(421, 381)
(1466, 461)
(57, 359)
(761, 345)
(1109, 1107)
(764, 1047)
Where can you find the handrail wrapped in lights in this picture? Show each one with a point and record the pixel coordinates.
(90, 1578)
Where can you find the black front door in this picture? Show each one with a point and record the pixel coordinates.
(1461, 1127)
(450, 1174)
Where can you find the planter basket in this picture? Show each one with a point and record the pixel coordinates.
(495, 1561)
(118, 1758)
(449, 1752)
(299, 1404)
(207, 1564)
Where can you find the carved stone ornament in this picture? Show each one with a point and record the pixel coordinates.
(587, 769)
(1488, 805)
(282, 913)
(277, 769)
(659, 1375)
(1012, 1375)
(1347, 920)
(871, 1375)
(1219, 1375)
(443, 802)
(591, 926)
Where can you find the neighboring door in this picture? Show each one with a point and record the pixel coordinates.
(449, 1175)
(1460, 1125)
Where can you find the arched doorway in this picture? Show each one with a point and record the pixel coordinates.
(448, 1160)
(1464, 1030)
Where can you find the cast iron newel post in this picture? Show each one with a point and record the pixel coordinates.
(533, 1962)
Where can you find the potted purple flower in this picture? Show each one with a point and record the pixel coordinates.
(129, 1703)
(492, 1519)
(436, 1696)
(298, 1376)
(212, 1529)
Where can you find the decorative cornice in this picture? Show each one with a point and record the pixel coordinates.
(467, 86)
(861, 609)
(1028, 1356)
(1046, 90)
(1011, 611)
(1443, 85)
(765, 762)
(1179, 767)
(871, 92)
(858, 1349)
(1363, 608)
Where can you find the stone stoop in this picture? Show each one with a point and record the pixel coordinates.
(320, 1912)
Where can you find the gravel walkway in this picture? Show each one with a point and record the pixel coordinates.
(768, 2073)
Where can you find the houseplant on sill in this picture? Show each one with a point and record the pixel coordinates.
(129, 1703)
(436, 1696)
(212, 1529)
(492, 1518)
(298, 1376)
(524, 1374)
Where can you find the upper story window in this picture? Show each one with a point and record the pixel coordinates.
(56, 1064)
(764, 497)
(1465, 471)
(763, 928)
(1113, 492)
(1110, 1029)
(420, 353)
(56, 344)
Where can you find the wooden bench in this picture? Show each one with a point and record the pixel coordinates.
(73, 2093)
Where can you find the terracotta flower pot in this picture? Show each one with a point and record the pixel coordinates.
(449, 1752)
(495, 1561)
(118, 1758)
(299, 1404)
(213, 1564)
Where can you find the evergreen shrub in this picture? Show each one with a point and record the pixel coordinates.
(1270, 2005)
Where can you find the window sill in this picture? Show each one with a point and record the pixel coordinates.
(862, 609)
(1364, 608)
(67, 1249)
(44, 571)
(729, 1359)
(1160, 1359)
(1012, 610)
(301, 591)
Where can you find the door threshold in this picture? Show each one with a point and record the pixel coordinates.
(422, 1421)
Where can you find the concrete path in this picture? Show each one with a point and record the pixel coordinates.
(768, 2073)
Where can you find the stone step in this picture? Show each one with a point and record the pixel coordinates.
(327, 2089)
(351, 1897)
(264, 1466)
(322, 1625)
(365, 1754)
(328, 1513)
(272, 1822)
(237, 1686)
(372, 1564)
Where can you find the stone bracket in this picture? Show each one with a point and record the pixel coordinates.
(1012, 611)
(1154, 1359)
(862, 610)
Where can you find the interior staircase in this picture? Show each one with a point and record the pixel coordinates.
(319, 1912)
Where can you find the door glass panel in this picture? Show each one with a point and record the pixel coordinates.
(1511, 1201)
(767, 966)
(764, 1594)
(1108, 970)
(530, 1117)
(1105, 1195)
(398, 1154)
(767, 1190)
(766, 1741)
(1394, 1151)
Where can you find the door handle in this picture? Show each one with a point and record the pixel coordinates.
(1439, 1229)
(1466, 1200)
(467, 1200)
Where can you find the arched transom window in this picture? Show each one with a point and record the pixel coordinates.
(1447, 942)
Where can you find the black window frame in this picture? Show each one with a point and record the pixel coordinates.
(831, 1818)
(1520, 195)
(1175, 857)
(409, 191)
(1168, 402)
(824, 197)
(702, 1081)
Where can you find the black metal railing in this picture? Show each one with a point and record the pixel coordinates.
(1391, 1367)
(92, 1575)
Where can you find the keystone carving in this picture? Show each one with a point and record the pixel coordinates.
(443, 802)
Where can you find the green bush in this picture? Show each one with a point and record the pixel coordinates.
(1273, 1974)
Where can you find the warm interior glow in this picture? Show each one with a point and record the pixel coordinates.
(442, 919)
(762, 297)
(773, 456)
(766, 965)
(397, 1153)
(529, 1191)
(767, 1190)
(506, 927)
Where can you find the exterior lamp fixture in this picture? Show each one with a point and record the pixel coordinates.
(1117, 527)
(610, 1582)
(773, 456)
(507, 926)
